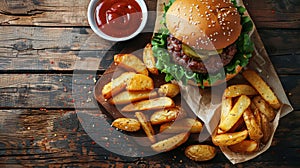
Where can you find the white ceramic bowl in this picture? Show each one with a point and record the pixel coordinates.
(92, 22)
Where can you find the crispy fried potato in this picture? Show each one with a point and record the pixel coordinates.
(261, 86)
(146, 125)
(235, 113)
(266, 128)
(239, 125)
(187, 124)
(116, 85)
(169, 89)
(126, 124)
(257, 116)
(149, 59)
(200, 152)
(151, 104)
(238, 90)
(126, 97)
(254, 130)
(170, 143)
(246, 146)
(264, 107)
(167, 115)
(227, 139)
(131, 62)
(140, 82)
(226, 106)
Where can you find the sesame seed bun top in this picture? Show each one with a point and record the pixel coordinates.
(204, 24)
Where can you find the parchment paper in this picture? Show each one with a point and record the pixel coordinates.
(206, 103)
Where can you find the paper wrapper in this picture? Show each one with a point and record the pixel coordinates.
(205, 103)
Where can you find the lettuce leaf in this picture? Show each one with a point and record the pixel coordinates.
(177, 72)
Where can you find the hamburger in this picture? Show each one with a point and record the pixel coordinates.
(204, 42)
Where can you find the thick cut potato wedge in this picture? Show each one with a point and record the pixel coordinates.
(169, 90)
(235, 113)
(127, 124)
(264, 107)
(140, 82)
(246, 146)
(238, 90)
(126, 97)
(167, 115)
(200, 152)
(116, 85)
(239, 125)
(266, 128)
(151, 104)
(254, 130)
(263, 89)
(170, 143)
(149, 59)
(226, 106)
(191, 125)
(257, 116)
(146, 125)
(131, 62)
(228, 139)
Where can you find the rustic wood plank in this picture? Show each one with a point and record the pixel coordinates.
(51, 12)
(274, 14)
(55, 90)
(41, 48)
(56, 138)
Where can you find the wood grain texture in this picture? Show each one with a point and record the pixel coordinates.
(57, 138)
(267, 14)
(43, 48)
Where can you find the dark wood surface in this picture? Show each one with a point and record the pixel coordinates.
(50, 60)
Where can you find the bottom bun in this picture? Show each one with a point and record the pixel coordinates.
(218, 82)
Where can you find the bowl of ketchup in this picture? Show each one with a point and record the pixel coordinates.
(117, 20)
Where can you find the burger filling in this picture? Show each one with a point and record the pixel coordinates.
(203, 63)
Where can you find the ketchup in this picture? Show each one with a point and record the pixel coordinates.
(118, 18)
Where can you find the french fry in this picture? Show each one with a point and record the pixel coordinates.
(238, 90)
(184, 125)
(167, 115)
(146, 125)
(116, 85)
(140, 82)
(169, 90)
(246, 146)
(226, 106)
(227, 139)
(264, 107)
(200, 152)
(170, 143)
(126, 97)
(239, 125)
(266, 128)
(257, 116)
(254, 130)
(151, 104)
(235, 113)
(149, 59)
(131, 62)
(263, 89)
(126, 124)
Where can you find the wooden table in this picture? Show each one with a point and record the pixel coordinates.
(46, 45)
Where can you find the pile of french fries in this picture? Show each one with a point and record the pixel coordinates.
(247, 111)
(134, 92)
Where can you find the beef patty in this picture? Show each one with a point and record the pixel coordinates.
(212, 64)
